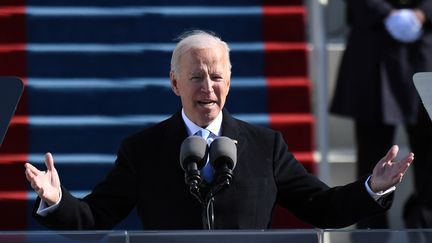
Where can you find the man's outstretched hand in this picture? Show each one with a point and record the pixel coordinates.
(45, 183)
(388, 172)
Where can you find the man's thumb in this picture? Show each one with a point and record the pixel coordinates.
(49, 161)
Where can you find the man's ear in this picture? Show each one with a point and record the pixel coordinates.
(229, 83)
(174, 83)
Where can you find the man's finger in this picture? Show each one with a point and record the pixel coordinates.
(29, 175)
(31, 169)
(49, 161)
(405, 164)
(397, 179)
(410, 157)
(391, 154)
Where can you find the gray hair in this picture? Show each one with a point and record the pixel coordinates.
(196, 39)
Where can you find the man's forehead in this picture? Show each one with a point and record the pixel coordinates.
(205, 55)
(201, 41)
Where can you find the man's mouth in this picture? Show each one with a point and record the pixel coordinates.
(207, 103)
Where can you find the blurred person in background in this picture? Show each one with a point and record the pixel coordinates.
(389, 41)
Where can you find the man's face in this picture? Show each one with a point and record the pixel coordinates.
(202, 82)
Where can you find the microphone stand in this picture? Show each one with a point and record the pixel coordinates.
(208, 206)
(193, 180)
(207, 214)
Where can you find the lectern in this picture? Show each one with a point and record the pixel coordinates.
(11, 89)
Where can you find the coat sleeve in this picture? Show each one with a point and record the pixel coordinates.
(72, 214)
(313, 201)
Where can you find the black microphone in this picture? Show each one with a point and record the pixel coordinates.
(223, 158)
(193, 156)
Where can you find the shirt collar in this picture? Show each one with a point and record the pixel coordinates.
(214, 127)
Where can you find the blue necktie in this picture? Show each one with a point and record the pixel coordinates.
(207, 171)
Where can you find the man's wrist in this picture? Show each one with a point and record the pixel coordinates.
(57, 201)
(44, 208)
(379, 194)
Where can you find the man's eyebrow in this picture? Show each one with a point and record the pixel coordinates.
(196, 72)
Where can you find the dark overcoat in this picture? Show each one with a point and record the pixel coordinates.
(147, 175)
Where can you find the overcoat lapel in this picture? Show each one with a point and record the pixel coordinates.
(232, 129)
(173, 136)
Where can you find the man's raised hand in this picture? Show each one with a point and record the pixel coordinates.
(45, 183)
(387, 172)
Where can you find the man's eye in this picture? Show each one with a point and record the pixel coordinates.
(217, 78)
(195, 78)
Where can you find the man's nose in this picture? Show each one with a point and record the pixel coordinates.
(207, 85)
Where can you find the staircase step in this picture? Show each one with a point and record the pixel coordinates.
(133, 23)
(291, 20)
(115, 3)
(87, 167)
(297, 130)
(145, 60)
(12, 174)
(50, 133)
(285, 59)
(13, 62)
(289, 95)
(16, 215)
(12, 24)
(138, 96)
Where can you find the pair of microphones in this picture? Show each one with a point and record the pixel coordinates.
(221, 154)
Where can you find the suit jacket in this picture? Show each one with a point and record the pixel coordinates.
(147, 175)
(374, 83)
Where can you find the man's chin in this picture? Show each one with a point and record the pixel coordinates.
(207, 118)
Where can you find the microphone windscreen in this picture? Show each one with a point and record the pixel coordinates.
(193, 149)
(223, 150)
